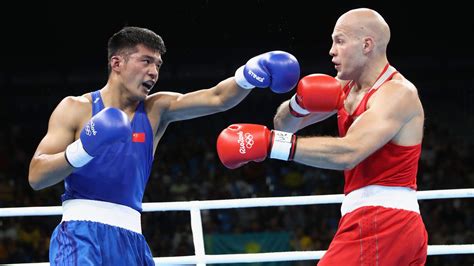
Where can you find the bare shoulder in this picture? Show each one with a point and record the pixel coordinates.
(159, 102)
(397, 96)
(400, 81)
(398, 88)
(73, 110)
(162, 98)
(76, 104)
(65, 122)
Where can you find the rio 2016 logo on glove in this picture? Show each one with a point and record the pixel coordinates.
(245, 141)
(90, 129)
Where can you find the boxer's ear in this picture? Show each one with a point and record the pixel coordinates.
(368, 44)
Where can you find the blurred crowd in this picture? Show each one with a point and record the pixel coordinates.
(187, 168)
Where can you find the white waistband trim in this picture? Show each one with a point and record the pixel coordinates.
(390, 197)
(102, 212)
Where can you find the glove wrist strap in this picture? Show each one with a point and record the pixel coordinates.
(283, 145)
(240, 79)
(295, 109)
(75, 154)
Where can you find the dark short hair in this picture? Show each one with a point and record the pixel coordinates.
(129, 37)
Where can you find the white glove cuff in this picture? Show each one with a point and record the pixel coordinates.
(282, 145)
(76, 155)
(297, 108)
(240, 79)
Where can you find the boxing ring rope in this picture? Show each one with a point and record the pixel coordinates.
(195, 207)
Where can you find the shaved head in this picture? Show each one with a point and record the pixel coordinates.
(365, 22)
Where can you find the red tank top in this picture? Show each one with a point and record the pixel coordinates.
(392, 164)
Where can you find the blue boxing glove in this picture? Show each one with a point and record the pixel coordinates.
(277, 69)
(108, 126)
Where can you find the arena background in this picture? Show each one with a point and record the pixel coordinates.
(54, 49)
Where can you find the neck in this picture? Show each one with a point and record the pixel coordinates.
(118, 96)
(370, 74)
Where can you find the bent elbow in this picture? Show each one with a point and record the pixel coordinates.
(349, 166)
(349, 161)
(35, 180)
(34, 184)
(34, 177)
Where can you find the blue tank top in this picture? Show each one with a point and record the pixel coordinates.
(120, 173)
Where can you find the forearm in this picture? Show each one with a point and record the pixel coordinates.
(47, 170)
(325, 152)
(285, 121)
(229, 93)
(235, 149)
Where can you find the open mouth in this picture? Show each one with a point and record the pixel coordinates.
(148, 84)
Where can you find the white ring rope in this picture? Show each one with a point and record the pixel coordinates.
(276, 256)
(239, 203)
(195, 208)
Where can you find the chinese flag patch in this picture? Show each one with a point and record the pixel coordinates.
(138, 137)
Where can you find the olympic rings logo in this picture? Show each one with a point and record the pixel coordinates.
(249, 140)
(245, 141)
(90, 129)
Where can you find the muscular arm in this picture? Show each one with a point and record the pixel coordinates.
(390, 111)
(175, 106)
(285, 121)
(48, 165)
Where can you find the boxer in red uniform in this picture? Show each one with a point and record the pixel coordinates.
(380, 119)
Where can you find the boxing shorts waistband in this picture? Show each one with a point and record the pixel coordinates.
(102, 212)
(374, 195)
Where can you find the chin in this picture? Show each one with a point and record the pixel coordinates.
(339, 75)
(143, 94)
(343, 76)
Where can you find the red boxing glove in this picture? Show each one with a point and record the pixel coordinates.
(239, 144)
(316, 93)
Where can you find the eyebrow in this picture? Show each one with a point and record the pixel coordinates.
(160, 61)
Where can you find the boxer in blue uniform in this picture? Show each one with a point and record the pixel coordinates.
(102, 145)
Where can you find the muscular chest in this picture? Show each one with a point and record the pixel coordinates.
(353, 100)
